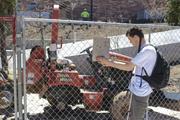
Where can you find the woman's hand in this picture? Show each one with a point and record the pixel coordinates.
(127, 66)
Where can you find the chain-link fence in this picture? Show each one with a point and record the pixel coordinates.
(7, 42)
(62, 81)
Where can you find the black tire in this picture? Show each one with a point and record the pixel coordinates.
(65, 94)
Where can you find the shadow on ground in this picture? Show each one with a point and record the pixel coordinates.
(51, 113)
(81, 114)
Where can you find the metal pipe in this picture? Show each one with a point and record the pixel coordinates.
(91, 8)
(55, 26)
(14, 30)
(19, 85)
(95, 23)
(15, 82)
(7, 18)
(24, 69)
(149, 36)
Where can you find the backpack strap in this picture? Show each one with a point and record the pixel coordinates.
(141, 73)
(141, 76)
(145, 71)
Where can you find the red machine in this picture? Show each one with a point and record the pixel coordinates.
(60, 83)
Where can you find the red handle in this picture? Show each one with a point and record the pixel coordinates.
(55, 26)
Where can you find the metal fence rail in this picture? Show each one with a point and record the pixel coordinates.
(60, 81)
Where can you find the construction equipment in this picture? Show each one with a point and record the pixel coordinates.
(60, 83)
(6, 91)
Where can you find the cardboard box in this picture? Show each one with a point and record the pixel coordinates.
(100, 47)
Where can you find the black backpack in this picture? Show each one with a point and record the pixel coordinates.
(160, 74)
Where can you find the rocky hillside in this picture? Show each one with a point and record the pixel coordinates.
(121, 10)
(104, 10)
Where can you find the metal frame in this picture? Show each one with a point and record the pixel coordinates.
(95, 23)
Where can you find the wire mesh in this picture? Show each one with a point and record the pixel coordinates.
(6, 70)
(67, 84)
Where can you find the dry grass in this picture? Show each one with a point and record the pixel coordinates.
(83, 32)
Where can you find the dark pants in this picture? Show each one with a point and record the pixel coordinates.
(85, 19)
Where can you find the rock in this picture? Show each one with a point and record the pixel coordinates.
(120, 105)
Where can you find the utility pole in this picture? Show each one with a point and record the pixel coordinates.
(91, 10)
